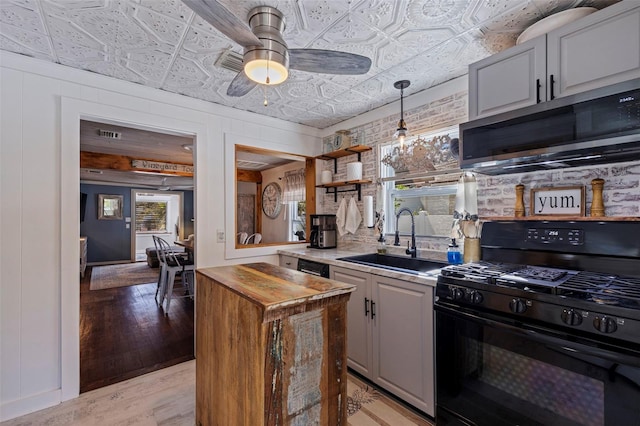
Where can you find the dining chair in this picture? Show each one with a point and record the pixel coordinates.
(257, 237)
(161, 265)
(242, 237)
(174, 264)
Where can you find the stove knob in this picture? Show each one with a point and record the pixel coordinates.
(476, 297)
(571, 317)
(605, 324)
(456, 293)
(517, 306)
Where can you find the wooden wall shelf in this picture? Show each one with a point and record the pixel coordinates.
(564, 218)
(334, 155)
(356, 149)
(332, 188)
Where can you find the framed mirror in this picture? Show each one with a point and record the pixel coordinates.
(110, 207)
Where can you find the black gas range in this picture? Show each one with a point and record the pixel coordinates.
(553, 308)
(554, 289)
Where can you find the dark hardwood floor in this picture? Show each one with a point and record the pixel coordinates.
(124, 333)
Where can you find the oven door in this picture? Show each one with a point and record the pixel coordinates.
(494, 371)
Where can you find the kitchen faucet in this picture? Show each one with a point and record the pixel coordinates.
(412, 251)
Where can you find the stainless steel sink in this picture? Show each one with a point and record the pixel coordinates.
(396, 263)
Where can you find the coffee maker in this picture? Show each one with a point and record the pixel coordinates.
(323, 231)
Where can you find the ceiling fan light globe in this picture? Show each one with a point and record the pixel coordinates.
(259, 69)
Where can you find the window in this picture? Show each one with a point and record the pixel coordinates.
(429, 194)
(151, 216)
(297, 222)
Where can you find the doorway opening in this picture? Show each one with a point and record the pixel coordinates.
(124, 331)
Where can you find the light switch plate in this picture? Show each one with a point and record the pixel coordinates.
(220, 235)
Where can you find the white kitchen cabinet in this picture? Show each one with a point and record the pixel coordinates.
(403, 340)
(359, 333)
(598, 50)
(390, 335)
(290, 262)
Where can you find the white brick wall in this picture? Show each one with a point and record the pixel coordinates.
(496, 194)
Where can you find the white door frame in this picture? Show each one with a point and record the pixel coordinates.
(72, 111)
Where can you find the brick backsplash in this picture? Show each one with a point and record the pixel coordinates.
(496, 194)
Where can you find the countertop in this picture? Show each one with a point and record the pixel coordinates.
(274, 288)
(331, 256)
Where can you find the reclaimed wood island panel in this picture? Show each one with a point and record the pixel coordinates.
(270, 347)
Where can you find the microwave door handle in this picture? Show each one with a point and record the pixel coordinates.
(556, 342)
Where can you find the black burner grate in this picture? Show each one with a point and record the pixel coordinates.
(485, 272)
(603, 289)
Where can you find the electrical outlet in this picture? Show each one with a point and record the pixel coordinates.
(220, 235)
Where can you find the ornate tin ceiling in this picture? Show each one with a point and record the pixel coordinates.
(163, 44)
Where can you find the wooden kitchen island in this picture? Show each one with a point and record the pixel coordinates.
(270, 347)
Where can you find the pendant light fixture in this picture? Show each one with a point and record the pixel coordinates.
(401, 132)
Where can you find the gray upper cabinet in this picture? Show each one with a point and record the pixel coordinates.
(598, 50)
(595, 51)
(509, 80)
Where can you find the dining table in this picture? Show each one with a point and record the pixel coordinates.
(189, 247)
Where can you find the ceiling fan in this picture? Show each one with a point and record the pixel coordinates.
(267, 58)
(165, 187)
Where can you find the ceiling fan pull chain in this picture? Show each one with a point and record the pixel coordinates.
(264, 88)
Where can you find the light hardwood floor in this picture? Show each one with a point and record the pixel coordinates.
(167, 397)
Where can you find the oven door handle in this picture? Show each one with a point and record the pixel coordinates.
(559, 343)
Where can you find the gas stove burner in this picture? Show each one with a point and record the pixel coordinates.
(605, 300)
(542, 274)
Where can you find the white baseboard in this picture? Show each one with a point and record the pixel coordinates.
(20, 407)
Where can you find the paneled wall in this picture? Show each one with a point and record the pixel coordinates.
(40, 111)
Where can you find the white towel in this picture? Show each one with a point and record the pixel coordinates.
(341, 217)
(353, 218)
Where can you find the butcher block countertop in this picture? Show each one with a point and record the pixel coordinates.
(277, 291)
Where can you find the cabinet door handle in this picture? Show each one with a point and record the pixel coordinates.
(366, 307)
(538, 90)
(551, 83)
(373, 309)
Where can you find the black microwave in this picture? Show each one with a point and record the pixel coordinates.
(595, 127)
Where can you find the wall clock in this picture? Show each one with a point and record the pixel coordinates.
(272, 200)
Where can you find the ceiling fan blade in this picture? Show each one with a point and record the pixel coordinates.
(241, 85)
(328, 61)
(224, 21)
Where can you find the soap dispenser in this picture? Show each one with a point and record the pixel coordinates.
(453, 253)
(382, 245)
